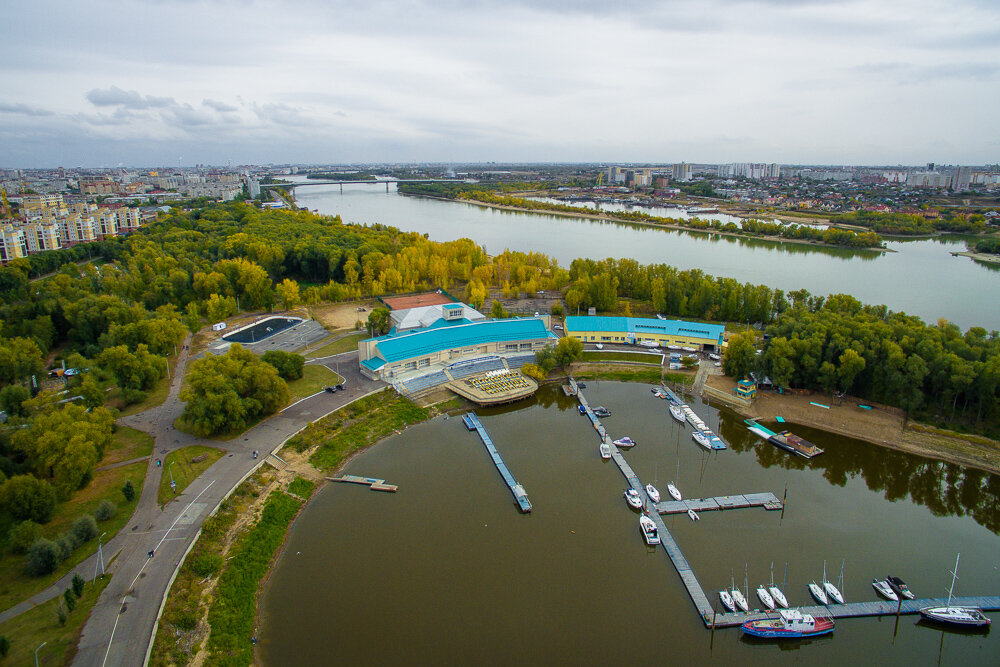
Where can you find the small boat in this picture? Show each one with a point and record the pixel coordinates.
(694, 515)
(790, 624)
(727, 600)
(599, 346)
(601, 411)
(714, 357)
(625, 442)
(967, 617)
(649, 343)
(702, 439)
(673, 347)
(677, 413)
(689, 349)
(740, 601)
(674, 493)
(776, 593)
(633, 498)
(832, 592)
(900, 587)
(653, 494)
(765, 597)
(582, 409)
(649, 532)
(605, 451)
(885, 590)
(818, 593)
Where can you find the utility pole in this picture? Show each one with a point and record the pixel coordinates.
(100, 556)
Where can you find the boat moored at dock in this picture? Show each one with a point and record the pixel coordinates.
(790, 624)
(817, 592)
(677, 413)
(605, 449)
(633, 498)
(900, 587)
(701, 439)
(885, 590)
(794, 444)
(649, 532)
(653, 493)
(674, 492)
(625, 443)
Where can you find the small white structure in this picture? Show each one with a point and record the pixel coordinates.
(219, 326)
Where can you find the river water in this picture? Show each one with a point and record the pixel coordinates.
(447, 571)
(920, 278)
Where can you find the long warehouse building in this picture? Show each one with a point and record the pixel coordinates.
(638, 330)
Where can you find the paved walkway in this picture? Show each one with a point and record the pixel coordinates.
(121, 624)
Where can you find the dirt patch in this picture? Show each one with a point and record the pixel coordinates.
(341, 315)
(882, 425)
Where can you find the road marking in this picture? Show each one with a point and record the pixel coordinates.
(118, 617)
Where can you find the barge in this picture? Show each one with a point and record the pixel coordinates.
(794, 444)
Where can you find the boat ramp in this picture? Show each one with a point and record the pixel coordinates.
(472, 423)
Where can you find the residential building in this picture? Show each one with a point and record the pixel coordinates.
(13, 243)
(42, 236)
(681, 172)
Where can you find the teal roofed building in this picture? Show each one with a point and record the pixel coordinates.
(646, 331)
(443, 343)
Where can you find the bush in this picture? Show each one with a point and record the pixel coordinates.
(24, 535)
(65, 546)
(128, 491)
(288, 364)
(205, 564)
(4, 647)
(106, 510)
(42, 558)
(557, 309)
(78, 584)
(85, 528)
(70, 598)
(61, 614)
(27, 497)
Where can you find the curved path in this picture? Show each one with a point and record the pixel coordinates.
(120, 626)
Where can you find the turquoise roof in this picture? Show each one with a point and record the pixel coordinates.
(436, 338)
(373, 364)
(646, 326)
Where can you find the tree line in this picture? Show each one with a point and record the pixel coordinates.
(912, 224)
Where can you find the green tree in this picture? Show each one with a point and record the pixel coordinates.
(90, 390)
(70, 599)
(23, 535)
(11, 398)
(4, 646)
(84, 529)
(27, 497)
(42, 558)
(497, 311)
(851, 365)
(568, 350)
(378, 322)
(545, 359)
(78, 584)
(128, 491)
(139, 370)
(288, 364)
(19, 358)
(105, 510)
(288, 293)
(534, 371)
(740, 357)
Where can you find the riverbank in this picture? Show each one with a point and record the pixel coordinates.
(883, 426)
(978, 256)
(665, 225)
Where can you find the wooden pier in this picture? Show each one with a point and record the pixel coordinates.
(374, 484)
(472, 423)
(768, 501)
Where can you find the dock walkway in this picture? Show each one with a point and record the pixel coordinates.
(768, 501)
(375, 484)
(472, 423)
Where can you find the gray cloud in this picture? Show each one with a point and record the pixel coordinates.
(219, 106)
(23, 109)
(129, 99)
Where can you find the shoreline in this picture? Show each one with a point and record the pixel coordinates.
(978, 256)
(681, 228)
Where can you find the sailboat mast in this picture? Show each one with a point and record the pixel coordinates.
(785, 581)
(840, 581)
(954, 576)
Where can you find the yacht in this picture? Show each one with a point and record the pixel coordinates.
(818, 593)
(765, 597)
(885, 590)
(605, 451)
(677, 413)
(633, 498)
(968, 617)
(674, 493)
(649, 532)
(701, 439)
(727, 600)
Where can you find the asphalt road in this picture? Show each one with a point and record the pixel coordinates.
(119, 629)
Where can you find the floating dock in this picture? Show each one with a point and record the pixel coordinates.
(697, 422)
(472, 423)
(768, 501)
(375, 484)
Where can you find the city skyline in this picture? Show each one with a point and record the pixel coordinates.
(821, 82)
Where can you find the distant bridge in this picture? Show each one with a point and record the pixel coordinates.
(386, 181)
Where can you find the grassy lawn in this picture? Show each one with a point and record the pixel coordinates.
(313, 379)
(184, 471)
(625, 374)
(637, 357)
(348, 343)
(15, 585)
(29, 630)
(127, 444)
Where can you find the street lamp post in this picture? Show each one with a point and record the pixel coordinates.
(37, 650)
(173, 484)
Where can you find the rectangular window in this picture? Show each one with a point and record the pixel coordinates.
(510, 347)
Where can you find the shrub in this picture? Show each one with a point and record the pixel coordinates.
(78, 584)
(4, 647)
(205, 564)
(70, 598)
(85, 528)
(27, 497)
(61, 614)
(24, 535)
(288, 364)
(557, 309)
(65, 545)
(42, 558)
(128, 491)
(106, 510)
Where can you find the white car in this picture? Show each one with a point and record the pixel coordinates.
(557, 327)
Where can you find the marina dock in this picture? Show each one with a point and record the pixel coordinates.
(768, 501)
(472, 423)
(375, 484)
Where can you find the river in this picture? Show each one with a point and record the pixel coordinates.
(447, 571)
(921, 278)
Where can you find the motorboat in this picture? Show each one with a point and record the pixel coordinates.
(790, 624)
(582, 409)
(653, 494)
(605, 451)
(765, 597)
(900, 587)
(885, 590)
(674, 347)
(677, 413)
(694, 515)
(818, 593)
(727, 600)
(649, 532)
(599, 346)
(625, 443)
(633, 498)
(674, 493)
(701, 439)
(967, 617)
(601, 411)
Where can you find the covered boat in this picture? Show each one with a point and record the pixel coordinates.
(625, 442)
(790, 624)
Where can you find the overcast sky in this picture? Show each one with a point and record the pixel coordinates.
(137, 82)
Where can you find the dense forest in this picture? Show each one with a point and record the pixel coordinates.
(911, 224)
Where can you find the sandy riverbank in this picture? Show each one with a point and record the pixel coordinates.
(979, 256)
(883, 425)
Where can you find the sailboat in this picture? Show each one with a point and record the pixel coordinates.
(727, 600)
(831, 591)
(738, 598)
(818, 593)
(673, 491)
(776, 593)
(962, 616)
(765, 597)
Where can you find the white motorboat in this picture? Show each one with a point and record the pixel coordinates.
(765, 597)
(677, 413)
(818, 593)
(674, 347)
(885, 590)
(653, 494)
(727, 600)
(599, 346)
(625, 442)
(701, 439)
(694, 515)
(674, 493)
(605, 451)
(633, 498)
(961, 616)
(649, 532)
(900, 587)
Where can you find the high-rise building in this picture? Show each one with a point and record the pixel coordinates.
(962, 179)
(681, 172)
(42, 236)
(13, 243)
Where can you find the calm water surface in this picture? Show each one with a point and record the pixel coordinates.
(448, 572)
(921, 278)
